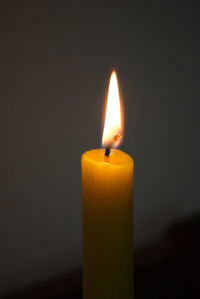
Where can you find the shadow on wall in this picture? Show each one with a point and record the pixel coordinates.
(169, 268)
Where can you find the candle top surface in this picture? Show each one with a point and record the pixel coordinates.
(116, 157)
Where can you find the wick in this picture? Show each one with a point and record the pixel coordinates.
(107, 151)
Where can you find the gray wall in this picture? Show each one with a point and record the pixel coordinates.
(55, 59)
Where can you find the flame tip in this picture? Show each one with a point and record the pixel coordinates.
(114, 73)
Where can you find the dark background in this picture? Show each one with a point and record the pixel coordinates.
(55, 61)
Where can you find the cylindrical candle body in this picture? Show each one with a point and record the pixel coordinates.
(107, 225)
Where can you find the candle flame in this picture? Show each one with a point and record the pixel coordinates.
(112, 133)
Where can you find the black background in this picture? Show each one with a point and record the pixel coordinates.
(55, 61)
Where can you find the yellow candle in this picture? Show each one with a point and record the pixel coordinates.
(107, 183)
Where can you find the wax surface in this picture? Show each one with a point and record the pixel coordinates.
(107, 184)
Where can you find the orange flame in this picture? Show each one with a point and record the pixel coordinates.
(112, 133)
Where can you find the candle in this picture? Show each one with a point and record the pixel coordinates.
(107, 178)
